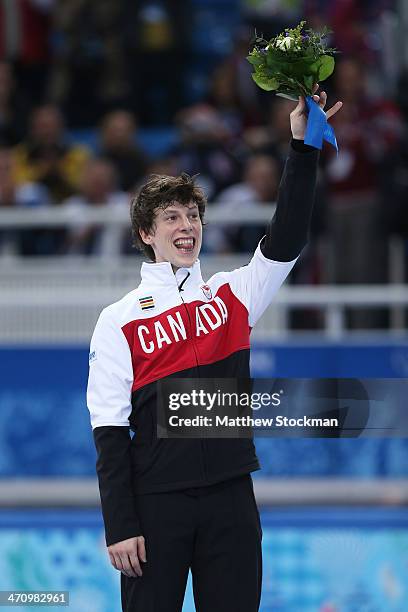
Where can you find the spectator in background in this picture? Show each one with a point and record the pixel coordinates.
(223, 96)
(272, 138)
(259, 186)
(270, 17)
(156, 37)
(395, 190)
(13, 110)
(25, 40)
(162, 165)
(354, 27)
(99, 187)
(206, 148)
(394, 179)
(369, 131)
(28, 195)
(118, 133)
(46, 157)
(8, 199)
(88, 76)
(232, 91)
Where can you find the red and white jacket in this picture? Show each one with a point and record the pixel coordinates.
(179, 325)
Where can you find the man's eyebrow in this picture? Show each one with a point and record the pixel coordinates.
(176, 210)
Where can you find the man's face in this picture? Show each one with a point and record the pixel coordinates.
(46, 125)
(176, 235)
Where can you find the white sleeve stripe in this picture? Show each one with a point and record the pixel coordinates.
(124, 424)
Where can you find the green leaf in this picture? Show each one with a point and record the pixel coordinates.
(297, 68)
(255, 60)
(264, 82)
(309, 52)
(308, 81)
(273, 62)
(326, 67)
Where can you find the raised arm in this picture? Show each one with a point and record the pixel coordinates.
(255, 285)
(288, 231)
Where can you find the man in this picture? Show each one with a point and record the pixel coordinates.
(259, 185)
(118, 131)
(98, 187)
(46, 157)
(171, 505)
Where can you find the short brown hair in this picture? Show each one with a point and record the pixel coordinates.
(159, 192)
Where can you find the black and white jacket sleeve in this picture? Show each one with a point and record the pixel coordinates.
(256, 284)
(109, 403)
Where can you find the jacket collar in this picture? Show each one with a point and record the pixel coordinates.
(161, 274)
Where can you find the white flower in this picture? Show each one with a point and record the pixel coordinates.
(284, 43)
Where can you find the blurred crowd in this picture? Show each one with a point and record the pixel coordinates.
(117, 68)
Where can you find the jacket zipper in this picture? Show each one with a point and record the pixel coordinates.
(203, 444)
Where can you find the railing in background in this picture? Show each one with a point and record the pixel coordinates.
(64, 216)
(270, 492)
(58, 299)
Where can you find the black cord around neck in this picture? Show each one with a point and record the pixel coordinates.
(180, 287)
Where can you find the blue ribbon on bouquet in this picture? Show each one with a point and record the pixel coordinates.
(317, 128)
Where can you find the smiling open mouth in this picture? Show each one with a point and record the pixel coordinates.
(185, 245)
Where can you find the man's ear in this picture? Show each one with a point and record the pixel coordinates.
(147, 238)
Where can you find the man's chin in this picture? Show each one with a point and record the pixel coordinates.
(185, 260)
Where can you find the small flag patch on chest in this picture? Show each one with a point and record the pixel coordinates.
(146, 303)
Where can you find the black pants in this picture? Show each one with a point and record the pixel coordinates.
(213, 530)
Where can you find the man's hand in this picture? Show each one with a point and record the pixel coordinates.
(298, 117)
(126, 556)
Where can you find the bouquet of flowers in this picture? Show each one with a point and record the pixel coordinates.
(292, 62)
